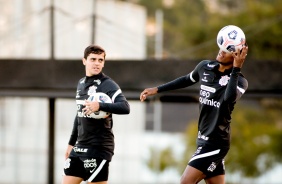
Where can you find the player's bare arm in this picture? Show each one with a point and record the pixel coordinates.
(148, 92)
(67, 153)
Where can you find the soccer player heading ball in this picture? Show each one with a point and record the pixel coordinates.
(230, 38)
(221, 86)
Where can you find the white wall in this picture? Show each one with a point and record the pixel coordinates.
(23, 140)
(25, 28)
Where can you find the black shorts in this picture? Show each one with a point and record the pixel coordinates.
(209, 160)
(88, 168)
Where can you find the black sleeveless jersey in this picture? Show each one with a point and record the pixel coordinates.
(97, 133)
(218, 94)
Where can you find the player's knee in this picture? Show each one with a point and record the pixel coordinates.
(187, 180)
(183, 180)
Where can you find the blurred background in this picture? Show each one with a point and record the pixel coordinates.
(148, 42)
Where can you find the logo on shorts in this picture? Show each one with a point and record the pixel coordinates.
(212, 167)
(223, 164)
(198, 150)
(67, 163)
(90, 164)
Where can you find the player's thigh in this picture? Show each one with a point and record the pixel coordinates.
(71, 180)
(191, 175)
(220, 179)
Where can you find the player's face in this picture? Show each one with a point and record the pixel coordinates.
(224, 58)
(94, 64)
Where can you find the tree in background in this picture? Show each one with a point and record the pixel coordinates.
(191, 27)
(190, 30)
(256, 133)
(255, 141)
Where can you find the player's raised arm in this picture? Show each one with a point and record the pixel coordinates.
(148, 92)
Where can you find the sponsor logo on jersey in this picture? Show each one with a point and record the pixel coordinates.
(207, 88)
(210, 65)
(205, 79)
(205, 75)
(198, 150)
(90, 164)
(224, 80)
(79, 106)
(201, 136)
(210, 102)
(212, 167)
(77, 94)
(205, 93)
(81, 150)
(83, 115)
(92, 90)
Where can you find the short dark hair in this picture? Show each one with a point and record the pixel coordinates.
(96, 49)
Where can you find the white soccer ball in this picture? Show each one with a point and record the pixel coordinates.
(230, 38)
(102, 98)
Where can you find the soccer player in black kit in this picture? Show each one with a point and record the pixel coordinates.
(91, 144)
(221, 85)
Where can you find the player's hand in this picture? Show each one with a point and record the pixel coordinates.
(240, 56)
(148, 92)
(67, 153)
(90, 107)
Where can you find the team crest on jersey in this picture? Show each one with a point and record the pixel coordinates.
(224, 80)
(92, 90)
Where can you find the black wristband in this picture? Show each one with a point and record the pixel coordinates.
(236, 70)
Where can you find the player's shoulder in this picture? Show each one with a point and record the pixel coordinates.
(106, 79)
(109, 82)
(207, 64)
(210, 64)
(82, 80)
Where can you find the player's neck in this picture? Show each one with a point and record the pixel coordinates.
(222, 67)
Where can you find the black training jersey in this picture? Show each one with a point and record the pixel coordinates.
(97, 133)
(218, 94)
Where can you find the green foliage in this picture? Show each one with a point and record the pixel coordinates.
(190, 27)
(161, 159)
(252, 140)
(255, 138)
(256, 134)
